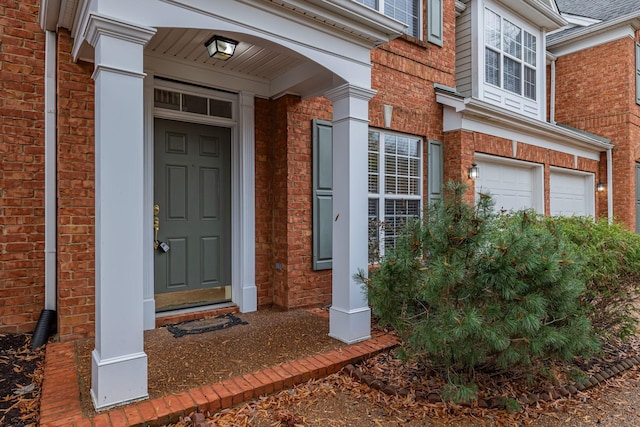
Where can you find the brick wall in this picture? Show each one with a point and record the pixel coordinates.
(76, 197)
(22, 171)
(264, 200)
(595, 92)
(288, 155)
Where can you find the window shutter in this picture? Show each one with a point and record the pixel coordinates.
(435, 171)
(434, 21)
(322, 194)
(638, 73)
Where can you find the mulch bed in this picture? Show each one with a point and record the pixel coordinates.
(20, 379)
(385, 391)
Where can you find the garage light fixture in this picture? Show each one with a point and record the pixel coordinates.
(600, 187)
(474, 171)
(221, 47)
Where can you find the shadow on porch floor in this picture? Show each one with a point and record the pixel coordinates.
(207, 371)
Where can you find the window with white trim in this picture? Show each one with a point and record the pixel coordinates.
(509, 56)
(395, 186)
(405, 11)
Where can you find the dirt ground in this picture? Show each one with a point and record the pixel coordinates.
(339, 400)
(20, 378)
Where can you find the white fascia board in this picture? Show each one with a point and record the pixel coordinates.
(475, 115)
(596, 34)
(539, 14)
(460, 7)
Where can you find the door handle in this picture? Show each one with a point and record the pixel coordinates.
(156, 225)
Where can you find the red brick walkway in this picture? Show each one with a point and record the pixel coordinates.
(60, 405)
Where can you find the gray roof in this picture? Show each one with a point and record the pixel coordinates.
(603, 10)
(598, 9)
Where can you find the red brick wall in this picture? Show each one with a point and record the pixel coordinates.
(286, 159)
(595, 92)
(76, 197)
(264, 201)
(22, 171)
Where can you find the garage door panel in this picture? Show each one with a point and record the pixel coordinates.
(570, 194)
(510, 186)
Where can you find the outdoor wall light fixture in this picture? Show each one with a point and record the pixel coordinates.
(474, 171)
(600, 187)
(220, 47)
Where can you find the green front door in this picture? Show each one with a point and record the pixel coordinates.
(192, 188)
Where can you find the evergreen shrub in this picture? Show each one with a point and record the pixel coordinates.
(611, 267)
(469, 290)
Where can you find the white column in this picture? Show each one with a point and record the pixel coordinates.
(149, 302)
(350, 316)
(245, 293)
(119, 364)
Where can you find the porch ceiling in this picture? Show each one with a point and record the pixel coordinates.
(185, 44)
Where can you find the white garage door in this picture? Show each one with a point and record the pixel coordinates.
(511, 186)
(571, 194)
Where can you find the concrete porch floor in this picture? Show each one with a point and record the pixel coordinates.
(64, 400)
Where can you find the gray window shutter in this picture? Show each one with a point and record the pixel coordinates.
(322, 194)
(435, 170)
(638, 73)
(434, 21)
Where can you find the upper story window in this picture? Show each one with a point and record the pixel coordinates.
(509, 56)
(405, 11)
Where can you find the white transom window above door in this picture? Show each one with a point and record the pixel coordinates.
(512, 184)
(395, 186)
(571, 193)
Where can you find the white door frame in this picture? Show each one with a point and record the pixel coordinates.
(243, 288)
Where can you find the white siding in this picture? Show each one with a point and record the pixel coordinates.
(463, 53)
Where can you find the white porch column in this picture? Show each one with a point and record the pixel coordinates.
(245, 293)
(119, 364)
(350, 316)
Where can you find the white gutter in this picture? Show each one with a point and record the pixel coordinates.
(50, 145)
(552, 96)
(609, 187)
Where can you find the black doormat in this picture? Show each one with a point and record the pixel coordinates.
(200, 326)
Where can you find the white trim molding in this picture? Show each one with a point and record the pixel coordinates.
(475, 115)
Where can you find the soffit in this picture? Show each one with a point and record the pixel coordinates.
(185, 44)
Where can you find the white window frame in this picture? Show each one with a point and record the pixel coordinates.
(379, 5)
(503, 54)
(381, 196)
